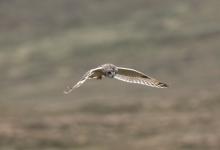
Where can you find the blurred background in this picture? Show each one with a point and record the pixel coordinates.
(48, 45)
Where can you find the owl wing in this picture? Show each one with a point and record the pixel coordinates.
(93, 73)
(134, 76)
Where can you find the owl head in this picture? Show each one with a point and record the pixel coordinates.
(109, 70)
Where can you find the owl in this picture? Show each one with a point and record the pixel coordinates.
(119, 73)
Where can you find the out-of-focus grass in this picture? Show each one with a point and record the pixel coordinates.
(45, 46)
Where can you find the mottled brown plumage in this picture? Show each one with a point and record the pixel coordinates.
(120, 73)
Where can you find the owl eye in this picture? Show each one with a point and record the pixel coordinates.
(109, 72)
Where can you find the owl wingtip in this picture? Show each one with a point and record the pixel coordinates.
(65, 92)
(68, 90)
(163, 85)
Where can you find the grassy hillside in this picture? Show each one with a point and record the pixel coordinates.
(46, 46)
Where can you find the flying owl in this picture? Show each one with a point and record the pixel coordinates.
(119, 73)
